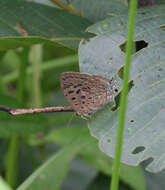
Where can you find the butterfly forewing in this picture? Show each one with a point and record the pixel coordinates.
(85, 93)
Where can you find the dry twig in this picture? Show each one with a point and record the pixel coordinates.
(22, 111)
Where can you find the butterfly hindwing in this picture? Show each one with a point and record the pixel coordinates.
(85, 93)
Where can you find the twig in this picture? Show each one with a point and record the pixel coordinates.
(14, 111)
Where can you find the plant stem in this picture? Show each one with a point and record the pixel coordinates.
(2, 86)
(123, 100)
(11, 161)
(48, 65)
(22, 73)
(35, 58)
(22, 111)
(12, 155)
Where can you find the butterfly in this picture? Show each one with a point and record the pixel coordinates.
(86, 93)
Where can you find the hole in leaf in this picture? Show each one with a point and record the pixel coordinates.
(140, 45)
(84, 41)
(117, 98)
(146, 162)
(108, 140)
(137, 46)
(162, 27)
(160, 69)
(138, 149)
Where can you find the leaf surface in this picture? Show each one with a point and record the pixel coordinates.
(52, 173)
(25, 23)
(144, 128)
(133, 176)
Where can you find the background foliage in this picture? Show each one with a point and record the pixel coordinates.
(48, 150)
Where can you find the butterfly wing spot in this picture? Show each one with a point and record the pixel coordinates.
(78, 91)
(71, 91)
(78, 85)
(82, 97)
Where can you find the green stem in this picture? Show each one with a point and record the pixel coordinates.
(36, 57)
(2, 85)
(11, 161)
(13, 150)
(123, 100)
(36, 60)
(22, 73)
(48, 65)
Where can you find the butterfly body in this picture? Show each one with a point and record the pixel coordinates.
(86, 93)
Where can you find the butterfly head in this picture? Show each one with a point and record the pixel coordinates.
(112, 87)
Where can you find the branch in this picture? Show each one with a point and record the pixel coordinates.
(13, 111)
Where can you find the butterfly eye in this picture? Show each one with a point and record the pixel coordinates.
(116, 90)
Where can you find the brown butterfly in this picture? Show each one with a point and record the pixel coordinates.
(87, 93)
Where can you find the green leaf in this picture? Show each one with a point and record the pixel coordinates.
(52, 173)
(25, 23)
(99, 9)
(91, 154)
(4, 185)
(80, 175)
(22, 125)
(144, 127)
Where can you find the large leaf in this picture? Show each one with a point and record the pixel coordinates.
(19, 125)
(4, 185)
(24, 23)
(133, 176)
(144, 128)
(52, 173)
(80, 175)
(99, 9)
